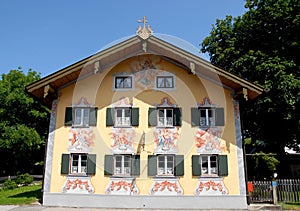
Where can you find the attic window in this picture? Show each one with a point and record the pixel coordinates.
(123, 82)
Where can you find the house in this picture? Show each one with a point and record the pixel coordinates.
(144, 123)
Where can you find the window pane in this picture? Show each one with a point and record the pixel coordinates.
(169, 82)
(204, 164)
(77, 117)
(127, 112)
(119, 112)
(160, 82)
(119, 83)
(86, 116)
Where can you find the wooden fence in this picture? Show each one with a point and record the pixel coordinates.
(288, 190)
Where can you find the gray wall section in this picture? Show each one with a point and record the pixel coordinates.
(49, 152)
(239, 145)
(146, 202)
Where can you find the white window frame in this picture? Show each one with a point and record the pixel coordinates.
(207, 116)
(162, 80)
(83, 119)
(166, 121)
(79, 168)
(122, 87)
(122, 121)
(212, 165)
(122, 169)
(165, 169)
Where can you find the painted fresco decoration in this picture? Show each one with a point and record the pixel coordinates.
(209, 141)
(166, 140)
(122, 186)
(165, 102)
(80, 185)
(210, 187)
(81, 140)
(166, 187)
(83, 103)
(206, 102)
(122, 140)
(145, 70)
(123, 102)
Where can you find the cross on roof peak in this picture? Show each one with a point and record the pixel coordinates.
(144, 32)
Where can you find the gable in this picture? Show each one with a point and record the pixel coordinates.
(46, 89)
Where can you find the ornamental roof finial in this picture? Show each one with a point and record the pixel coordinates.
(144, 32)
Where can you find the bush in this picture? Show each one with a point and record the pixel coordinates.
(24, 179)
(9, 184)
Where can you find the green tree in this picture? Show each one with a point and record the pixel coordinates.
(23, 124)
(263, 46)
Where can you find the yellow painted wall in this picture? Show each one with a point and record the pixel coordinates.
(190, 90)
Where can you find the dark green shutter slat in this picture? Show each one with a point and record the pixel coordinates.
(177, 116)
(65, 161)
(179, 165)
(220, 117)
(68, 116)
(223, 165)
(108, 165)
(93, 117)
(91, 164)
(135, 165)
(152, 117)
(196, 168)
(110, 113)
(152, 165)
(135, 117)
(195, 118)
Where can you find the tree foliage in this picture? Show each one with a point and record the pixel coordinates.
(23, 124)
(263, 46)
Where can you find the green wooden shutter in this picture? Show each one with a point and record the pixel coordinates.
(152, 165)
(177, 116)
(223, 165)
(196, 168)
(91, 164)
(135, 165)
(108, 165)
(179, 168)
(152, 117)
(110, 113)
(65, 162)
(135, 117)
(195, 112)
(69, 116)
(93, 117)
(220, 117)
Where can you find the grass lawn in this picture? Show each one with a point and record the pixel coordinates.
(290, 206)
(21, 195)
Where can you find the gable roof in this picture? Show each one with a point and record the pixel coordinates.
(171, 48)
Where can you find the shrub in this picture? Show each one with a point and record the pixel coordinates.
(9, 184)
(24, 179)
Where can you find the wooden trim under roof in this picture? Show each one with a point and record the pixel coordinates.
(132, 47)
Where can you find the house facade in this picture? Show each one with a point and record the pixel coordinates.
(144, 123)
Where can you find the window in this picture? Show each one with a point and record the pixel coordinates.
(207, 116)
(81, 117)
(123, 82)
(209, 165)
(165, 165)
(122, 117)
(122, 165)
(165, 118)
(165, 82)
(78, 163)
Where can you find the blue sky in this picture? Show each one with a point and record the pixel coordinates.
(47, 36)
